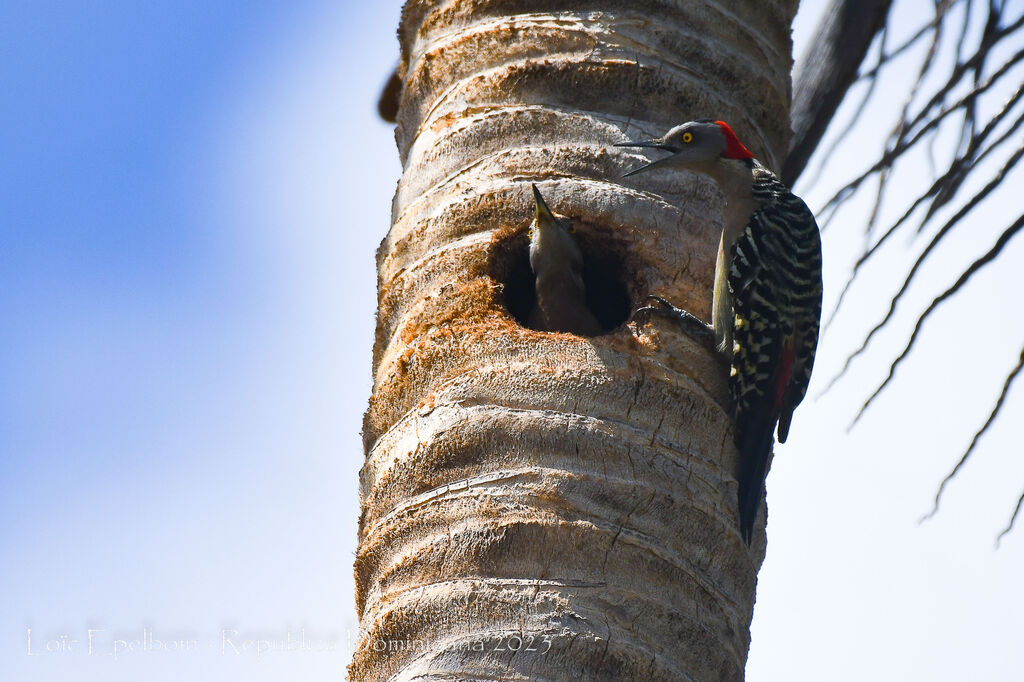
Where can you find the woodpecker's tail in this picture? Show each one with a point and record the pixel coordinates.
(755, 449)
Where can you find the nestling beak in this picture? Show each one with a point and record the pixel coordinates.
(543, 212)
(656, 143)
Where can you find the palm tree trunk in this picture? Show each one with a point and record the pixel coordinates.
(544, 506)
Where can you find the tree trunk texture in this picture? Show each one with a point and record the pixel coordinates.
(542, 506)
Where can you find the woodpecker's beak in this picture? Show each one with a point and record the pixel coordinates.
(656, 143)
(543, 212)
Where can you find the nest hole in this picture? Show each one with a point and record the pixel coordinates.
(608, 296)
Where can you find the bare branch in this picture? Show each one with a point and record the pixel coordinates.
(946, 185)
(929, 58)
(826, 71)
(974, 62)
(1013, 519)
(975, 200)
(891, 155)
(963, 31)
(957, 105)
(949, 183)
(977, 436)
(887, 58)
(961, 281)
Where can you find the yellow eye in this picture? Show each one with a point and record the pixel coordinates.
(687, 137)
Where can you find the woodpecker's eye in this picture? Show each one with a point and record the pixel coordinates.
(687, 138)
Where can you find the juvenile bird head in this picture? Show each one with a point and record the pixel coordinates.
(551, 240)
(693, 146)
(544, 219)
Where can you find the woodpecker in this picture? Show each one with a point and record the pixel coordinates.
(557, 264)
(766, 303)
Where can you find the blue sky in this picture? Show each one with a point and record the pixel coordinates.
(192, 196)
(188, 298)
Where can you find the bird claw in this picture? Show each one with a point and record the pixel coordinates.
(664, 307)
(690, 324)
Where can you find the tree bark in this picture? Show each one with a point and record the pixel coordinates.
(536, 505)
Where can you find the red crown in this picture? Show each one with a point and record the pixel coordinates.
(734, 149)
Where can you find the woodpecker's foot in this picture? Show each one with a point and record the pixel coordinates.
(690, 324)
